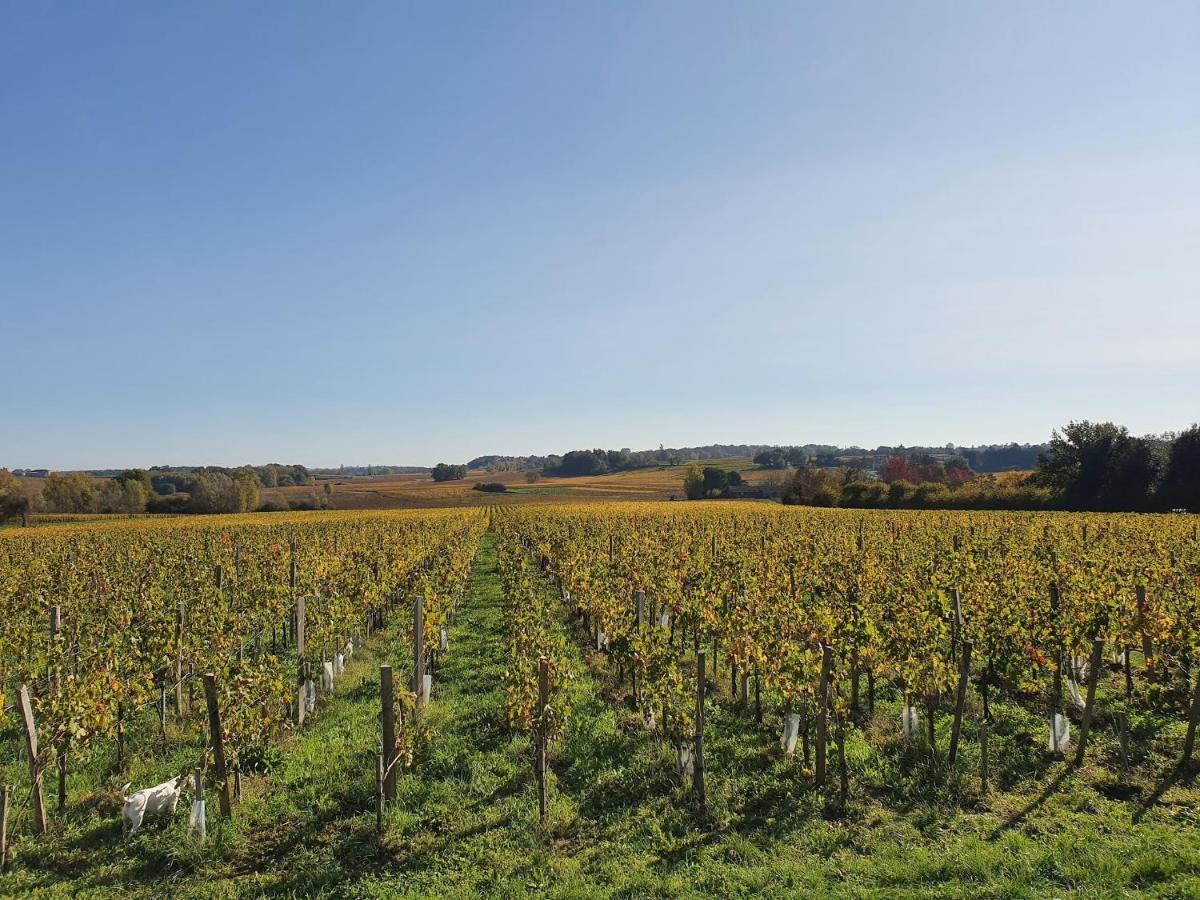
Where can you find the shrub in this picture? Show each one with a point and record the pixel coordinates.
(899, 493)
(930, 493)
(493, 487)
(172, 504)
(824, 495)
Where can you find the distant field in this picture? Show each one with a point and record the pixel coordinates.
(419, 490)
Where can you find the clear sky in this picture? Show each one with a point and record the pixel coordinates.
(405, 233)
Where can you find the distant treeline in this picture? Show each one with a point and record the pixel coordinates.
(986, 458)
(369, 470)
(269, 476)
(160, 489)
(1086, 466)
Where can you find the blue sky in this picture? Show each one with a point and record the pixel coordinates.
(399, 233)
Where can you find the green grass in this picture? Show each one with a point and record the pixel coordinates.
(465, 822)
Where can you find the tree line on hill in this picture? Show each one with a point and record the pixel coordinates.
(981, 459)
(368, 470)
(160, 489)
(1093, 466)
(709, 482)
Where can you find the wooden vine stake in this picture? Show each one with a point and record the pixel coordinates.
(1147, 643)
(35, 762)
(1056, 688)
(641, 625)
(61, 755)
(218, 744)
(379, 778)
(956, 631)
(823, 712)
(418, 686)
(388, 723)
(542, 734)
(1189, 742)
(1089, 704)
(179, 661)
(698, 762)
(55, 627)
(301, 699)
(5, 793)
(984, 727)
(964, 675)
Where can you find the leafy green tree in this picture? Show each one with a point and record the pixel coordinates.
(580, 462)
(693, 482)
(13, 502)
(1181, 481)
(1098, 466)
(72, 492)
(444, 472)
(138, 475)
(772, 459)
(814, 486)
(246, 480)
(124, 496)
(717, 482)
(797, 458)
(216, 492)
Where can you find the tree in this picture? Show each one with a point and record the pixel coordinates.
(896, 469)
(580, 462)
(217, 492)
(445, 472)
(533, 476)
(717, 482)
(1098, 466)
(13, 502)
(124, 496)
(772, 459)
(1181, 481)
(693, 482)
(72, 492)
(814, 486)
(246, 480)
(140, 476)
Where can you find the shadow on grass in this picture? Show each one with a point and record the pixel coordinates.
(1181, 775)
(1037, 803)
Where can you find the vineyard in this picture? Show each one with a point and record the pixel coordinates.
(104, 627)
(721, 686)
(817, 610)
